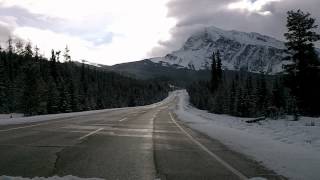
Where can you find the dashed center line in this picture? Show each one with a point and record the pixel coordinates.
(91, 133)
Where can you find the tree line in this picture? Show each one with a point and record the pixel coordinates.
(295, 91)
(32, 84)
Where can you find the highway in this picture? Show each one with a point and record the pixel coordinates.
(142, 143)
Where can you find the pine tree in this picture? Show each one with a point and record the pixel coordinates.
(19, 47)
(10, 46)
(31, 95)
(36, 51)
(219, 66)
(66, 54)
(214, 73)
(303, 74)
(53, 98)
(3, 88)
(64, 100)
(53, 66)
(58, 56)
(28, 50)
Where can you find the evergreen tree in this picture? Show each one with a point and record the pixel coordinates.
(3, 88)
(214, 73)
(36, 50)
(64, 100)
(19, 47)
(219, 66)
(31, 95)
(58, 56)
(53, 66)
(66, 54)
(303, 73)
(10, 46)
(53, 98)
(262, 93)
(28, 50)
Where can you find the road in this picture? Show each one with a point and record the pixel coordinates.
(143, 143)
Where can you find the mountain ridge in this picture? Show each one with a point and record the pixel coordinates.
(251, 52)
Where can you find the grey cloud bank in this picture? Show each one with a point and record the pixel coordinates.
(192, 16)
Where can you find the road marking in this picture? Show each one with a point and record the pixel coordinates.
(93, 132)
(123, 119)
(23, 127)
(224, 163)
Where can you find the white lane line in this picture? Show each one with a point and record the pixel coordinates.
(224, 163)
(93, 132)
(22, 127)
(123, 119)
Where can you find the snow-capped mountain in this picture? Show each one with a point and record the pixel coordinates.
(239, 51)
(90, 63)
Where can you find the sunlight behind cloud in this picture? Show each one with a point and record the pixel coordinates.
(252, 6)
(104, 31)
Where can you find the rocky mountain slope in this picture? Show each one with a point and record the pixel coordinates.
(239, 51)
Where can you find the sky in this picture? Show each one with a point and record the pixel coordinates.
(116, 31)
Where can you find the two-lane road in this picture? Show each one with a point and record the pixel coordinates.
(130, 143)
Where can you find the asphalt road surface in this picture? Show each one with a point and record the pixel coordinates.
(143, 143)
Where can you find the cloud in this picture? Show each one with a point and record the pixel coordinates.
(252, 6)
(116, 31)
(103, 31)
(263, 16)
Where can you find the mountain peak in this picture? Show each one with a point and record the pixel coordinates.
(252, 38)
(239, 51)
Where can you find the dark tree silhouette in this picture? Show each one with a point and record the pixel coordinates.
(303, 74)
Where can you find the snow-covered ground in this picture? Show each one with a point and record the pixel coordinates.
(8, 116)
(291, 148)
(6, 119)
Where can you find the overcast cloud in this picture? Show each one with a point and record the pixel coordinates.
(116, 31)
(263, 16)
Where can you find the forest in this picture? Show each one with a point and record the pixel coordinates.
(296, 91)
(34, 85)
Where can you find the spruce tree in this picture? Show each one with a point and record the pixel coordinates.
(28, 50)
(53, 98)
(219, 66)
(214, 73)
(31, 95)
(66, 54)
(3, 88)
(10, 46)
(53, 66)
(303, 73)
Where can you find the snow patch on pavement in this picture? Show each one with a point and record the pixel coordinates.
(291, 148)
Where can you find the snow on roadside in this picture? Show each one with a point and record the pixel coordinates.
(6, 120)
(291, 148)
(13, 115)
(49, 178)
(40, 118)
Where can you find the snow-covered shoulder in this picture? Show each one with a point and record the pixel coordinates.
(291, 148)
(19, 119)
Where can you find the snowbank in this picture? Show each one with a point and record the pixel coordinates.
(13, 115)
(291, 148)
